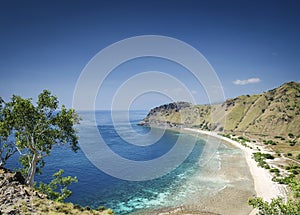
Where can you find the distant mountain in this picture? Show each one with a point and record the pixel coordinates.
(276, 112)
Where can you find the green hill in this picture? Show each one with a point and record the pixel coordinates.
(273, 113)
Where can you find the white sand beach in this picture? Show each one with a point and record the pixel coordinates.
(264, 186)
(241, 184)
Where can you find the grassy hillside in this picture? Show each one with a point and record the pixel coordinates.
(272, 115)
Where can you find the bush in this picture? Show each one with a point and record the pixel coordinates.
(269, 142)
(260, 159)
(57, 189)
(276, 206)
(274, 170)
(294, 169)
(292, 142)
(268, 156)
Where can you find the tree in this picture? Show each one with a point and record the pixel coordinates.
(57, 189)
(276, 206)
(7, 147)
(37, 128)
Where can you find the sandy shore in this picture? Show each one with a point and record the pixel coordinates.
(242, 177)
(263, 184)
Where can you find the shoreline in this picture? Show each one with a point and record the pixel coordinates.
(230, 199)
(263, 184)
(238, 170)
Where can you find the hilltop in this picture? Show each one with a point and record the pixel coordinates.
(273, 115)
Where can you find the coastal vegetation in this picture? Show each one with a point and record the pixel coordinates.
(36, 129)
(18, 198)
(260, 159)
(279, 205)
(32, 130)
(276, 206)
(57, 189)
(287, 176)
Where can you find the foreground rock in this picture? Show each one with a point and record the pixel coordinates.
(17, 198)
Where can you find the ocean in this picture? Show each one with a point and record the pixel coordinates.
(96, 188)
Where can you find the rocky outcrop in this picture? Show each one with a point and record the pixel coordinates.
(13, 192)
(17, 198)
(160, 116)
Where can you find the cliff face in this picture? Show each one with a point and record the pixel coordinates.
(170, 115)
(276, 112)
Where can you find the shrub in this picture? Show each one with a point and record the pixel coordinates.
(260, 159)
(291, 135)
(271, 142)
(292, 142)
(57, 189)
(276, 206)
(274, 170)
(268, 156)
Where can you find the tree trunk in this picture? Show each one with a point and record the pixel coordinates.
(31, 171)
(2, 159)
(2, 163)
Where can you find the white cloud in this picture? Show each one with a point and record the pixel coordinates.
(247, 81)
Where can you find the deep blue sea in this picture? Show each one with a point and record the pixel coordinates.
(96, 188)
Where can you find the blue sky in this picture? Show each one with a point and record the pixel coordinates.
(253, 46)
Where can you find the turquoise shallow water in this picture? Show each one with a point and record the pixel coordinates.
(97, 188)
